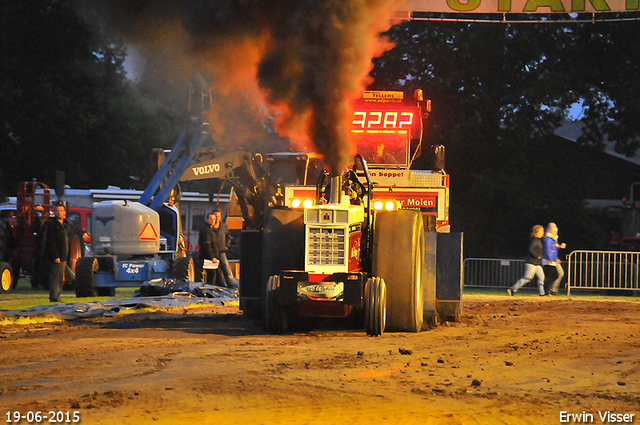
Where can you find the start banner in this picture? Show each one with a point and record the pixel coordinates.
(411, 7)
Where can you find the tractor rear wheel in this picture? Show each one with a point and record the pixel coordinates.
(375, 307)
(182, 268)
(85, 268)
(275, 316)
(6, 277)
(76, 250)
(4, 238)
(397, 258)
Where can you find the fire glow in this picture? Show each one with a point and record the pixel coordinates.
(299, 63)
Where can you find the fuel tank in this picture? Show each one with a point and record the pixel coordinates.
(124, 228)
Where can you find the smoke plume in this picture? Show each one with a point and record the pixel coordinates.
(303, 61)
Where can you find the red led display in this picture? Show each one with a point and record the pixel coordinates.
(383, 121)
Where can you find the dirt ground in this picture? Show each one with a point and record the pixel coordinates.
(509, 361)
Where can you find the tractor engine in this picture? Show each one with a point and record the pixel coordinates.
(333, 233)
(333, 279)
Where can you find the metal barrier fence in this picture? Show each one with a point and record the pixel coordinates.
(493, 273)
(603, 270)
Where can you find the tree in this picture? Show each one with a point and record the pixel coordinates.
(65, 102)
(499, 91)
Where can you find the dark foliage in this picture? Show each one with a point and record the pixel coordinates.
(65, 102)
(499, 91)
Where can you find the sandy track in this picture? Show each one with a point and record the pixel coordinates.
(509, 361)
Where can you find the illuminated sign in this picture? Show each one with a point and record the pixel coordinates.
(426, 201)
(383, 125)
(383, 121)
(382, 96)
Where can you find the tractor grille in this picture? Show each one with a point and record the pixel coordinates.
(326, 247)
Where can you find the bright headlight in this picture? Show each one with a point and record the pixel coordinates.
(301, 203)
(389, 205)
(377, 205)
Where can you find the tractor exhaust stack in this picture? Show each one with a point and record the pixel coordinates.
(336, 190)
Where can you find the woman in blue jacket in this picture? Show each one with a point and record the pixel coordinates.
(552, 266)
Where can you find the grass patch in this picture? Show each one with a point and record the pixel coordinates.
(29, 320)
(24, 296)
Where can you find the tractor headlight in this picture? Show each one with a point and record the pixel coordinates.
(386, 205)
(301, 203)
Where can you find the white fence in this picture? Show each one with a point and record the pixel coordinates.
(614, 270)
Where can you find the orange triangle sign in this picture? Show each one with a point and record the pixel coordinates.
(148, 233)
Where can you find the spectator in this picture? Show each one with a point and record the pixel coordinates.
(206, 247)
(56, 251)
(222, 239)
(533, 262)
(552, 268)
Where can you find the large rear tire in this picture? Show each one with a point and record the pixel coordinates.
(6, 277)
(4, 238)
(85, 268)
(182, 268)
(397, 258)
(76, 243)
(275, 316)
(375, 307)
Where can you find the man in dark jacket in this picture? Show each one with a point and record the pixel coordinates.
(56, 251)
(533, 262)
(221, 239)
(206, 247)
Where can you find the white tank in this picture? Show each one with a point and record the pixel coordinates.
(124, 228)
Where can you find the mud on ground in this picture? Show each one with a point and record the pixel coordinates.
(509, 361)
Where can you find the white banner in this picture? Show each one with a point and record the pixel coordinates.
(518, 6)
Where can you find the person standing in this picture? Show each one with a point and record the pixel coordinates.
(206, 247)
(552, 267)
(533, 262)
(222, 239)
(56, 251)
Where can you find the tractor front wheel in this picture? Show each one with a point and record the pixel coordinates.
(375, 307)
(6, 277)
(182, 268)
(85, 268)
(275, 316)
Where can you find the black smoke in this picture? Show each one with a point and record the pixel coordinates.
(304, 61)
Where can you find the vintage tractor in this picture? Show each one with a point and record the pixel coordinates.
(372, 243)
(21, 238)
